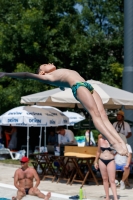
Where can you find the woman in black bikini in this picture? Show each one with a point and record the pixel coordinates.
(105, 162)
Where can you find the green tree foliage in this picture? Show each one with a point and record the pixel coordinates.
(103, 23)
(83, 35)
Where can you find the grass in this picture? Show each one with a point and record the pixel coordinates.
(14, 162)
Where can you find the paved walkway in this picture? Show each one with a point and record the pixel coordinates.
(59, 191)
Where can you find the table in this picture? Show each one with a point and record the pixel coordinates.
(87, 162)
(82, 156)
(78, 156)
(65, 173)
(46, 162)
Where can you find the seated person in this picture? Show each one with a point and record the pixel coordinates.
(65, 136)
(52, 138)
(123, 163)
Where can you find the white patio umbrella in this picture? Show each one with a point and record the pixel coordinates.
(62, 118)
(28, 116)
(112, 98)
(32, 116)
(73, 117)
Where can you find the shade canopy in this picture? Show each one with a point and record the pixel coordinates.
(73, 117)
(33, 116)
(112, 98)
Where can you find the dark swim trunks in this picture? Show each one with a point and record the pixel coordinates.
(27, 190)
(79, 84)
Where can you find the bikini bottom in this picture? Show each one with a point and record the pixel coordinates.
(106, 162)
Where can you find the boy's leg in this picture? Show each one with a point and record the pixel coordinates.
(88, 102)
(105, 119)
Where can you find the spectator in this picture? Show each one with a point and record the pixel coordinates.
(52, 138)
(105, 161)
(13, 141)
(24, 181)
(92, 141)
(7, 137)
(123, 163)
(121, 126)
(65, 136)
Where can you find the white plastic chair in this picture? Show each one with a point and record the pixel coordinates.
(14, 155)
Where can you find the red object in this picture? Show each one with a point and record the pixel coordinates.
(24, 159)
(7, 139)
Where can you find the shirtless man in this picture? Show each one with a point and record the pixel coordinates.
(83, 92)
(23, 181)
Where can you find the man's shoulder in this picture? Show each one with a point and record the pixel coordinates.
(68, 131)
(114, 123)
(126, 123)
(129, 148)
(18, 170)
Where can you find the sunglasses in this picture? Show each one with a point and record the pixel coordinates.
(22, 162)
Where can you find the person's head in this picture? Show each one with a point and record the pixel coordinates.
(60, 130)
(51, 133)
(120, 115)
(45, 68)
(24, 162)
(102, 136)
(99, 136)
(88, 131)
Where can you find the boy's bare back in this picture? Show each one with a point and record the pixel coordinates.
(62, 77)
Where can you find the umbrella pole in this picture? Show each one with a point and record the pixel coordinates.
(27, 141)
(45, 136)
(40, 136)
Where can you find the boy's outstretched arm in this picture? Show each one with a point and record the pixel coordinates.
(27, 75)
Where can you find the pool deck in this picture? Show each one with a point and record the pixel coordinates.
(59, 191)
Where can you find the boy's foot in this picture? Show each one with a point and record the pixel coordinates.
(47, 196)
(120, 148)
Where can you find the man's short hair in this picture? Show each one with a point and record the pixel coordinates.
(59, 128)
